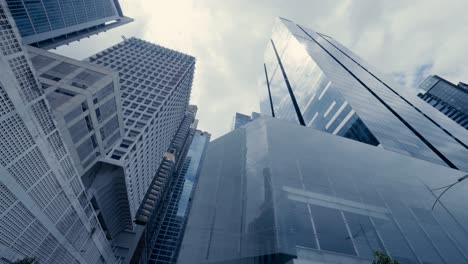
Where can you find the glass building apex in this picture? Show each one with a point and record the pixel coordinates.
(311, 79)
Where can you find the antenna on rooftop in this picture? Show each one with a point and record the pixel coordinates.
(446, 189)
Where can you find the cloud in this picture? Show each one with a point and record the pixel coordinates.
(407, 39)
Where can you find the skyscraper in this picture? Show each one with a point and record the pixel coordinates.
(44, 209)
(77, 159)
(311, 79)
(49, 24)
(170, 225)
(241, 119)
(276, 192)
(155, 89)
(162, 213)
(448, 98)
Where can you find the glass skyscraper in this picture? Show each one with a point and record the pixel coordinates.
(51, 23)
(311, 79)
(276, 192)
(448, 98)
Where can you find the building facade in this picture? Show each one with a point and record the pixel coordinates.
(312, 80)
(82, 146)
(448, 98)
(276, 192)
(85, 101)
(173, 158)
(44, 209)
(155, 89)
(156, 212)
(241, 119)
(49, 24)
(171, 221)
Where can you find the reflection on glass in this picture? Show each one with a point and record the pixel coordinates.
(272, 188)
(367, 106)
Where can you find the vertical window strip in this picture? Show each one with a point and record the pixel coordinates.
(330, 108)
(288, 85)
(342, 107)
(269, 91)
(341, 125)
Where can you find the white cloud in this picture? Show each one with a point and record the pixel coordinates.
(228, 38)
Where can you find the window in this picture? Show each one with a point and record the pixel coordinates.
(86, 79)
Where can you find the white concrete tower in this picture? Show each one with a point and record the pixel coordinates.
(44, 211)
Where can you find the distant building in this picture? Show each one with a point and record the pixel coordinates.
(152, 209)
(49, 24)
(276, 192)
(241, 119)
(448, 98)
(85, 100)
(312, 80)
(163, 211)
(45, 211)
(172, 219)
(173, 158)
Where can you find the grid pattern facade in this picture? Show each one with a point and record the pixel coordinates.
(43, 206)
(155, 90)
(85, 100)
(450, 99)
(45, 22)
(173, 218)
(153, 209)
(311, 79)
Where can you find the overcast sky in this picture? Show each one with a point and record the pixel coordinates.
(407, 39)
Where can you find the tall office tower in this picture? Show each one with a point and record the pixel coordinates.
(448, 98)
(311, 79)
(85, 100)
(44, 210)
(241, 119)
(49, 24)
(276, 192)
(172, 219)
(155, 88)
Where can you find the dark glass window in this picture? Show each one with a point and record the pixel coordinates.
(331, 230)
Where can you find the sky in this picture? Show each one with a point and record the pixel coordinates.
(408, 40)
